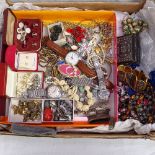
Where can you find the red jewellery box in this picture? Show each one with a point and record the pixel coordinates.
(21, 61)
(26, 34)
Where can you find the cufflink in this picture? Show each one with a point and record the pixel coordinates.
(24, 44)
(21, 25)
(35, 25)
(19, 30)
(28, 30)
(22, 38)
(34, 34)
(23, 33)
(34, 44)
(19, 36)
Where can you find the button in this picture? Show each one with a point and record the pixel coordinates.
(19, 36)
(28, 30)
(21, 25)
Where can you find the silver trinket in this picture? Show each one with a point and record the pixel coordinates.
(81, 81)
(104, 94)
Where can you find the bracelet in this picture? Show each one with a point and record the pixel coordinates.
(46, 58)
(89, 60)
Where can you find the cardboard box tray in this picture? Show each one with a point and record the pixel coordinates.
(76, 16)
(128, 7)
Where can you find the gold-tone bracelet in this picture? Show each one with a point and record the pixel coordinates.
(46, 58)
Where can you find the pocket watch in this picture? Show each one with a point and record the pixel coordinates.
(72, 58)
(54, 91)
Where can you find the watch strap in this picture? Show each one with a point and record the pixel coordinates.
(85, 69)
(56, 48)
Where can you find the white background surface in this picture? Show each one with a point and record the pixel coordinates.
(14, 145)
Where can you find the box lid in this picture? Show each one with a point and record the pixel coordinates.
(121, 5)
(9, 27)
(8, 32)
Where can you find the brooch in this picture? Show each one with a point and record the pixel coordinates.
(68, 70)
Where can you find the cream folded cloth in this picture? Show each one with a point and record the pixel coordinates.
(120, 127)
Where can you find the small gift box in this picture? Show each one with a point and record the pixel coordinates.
(128, 48)
(21, 61)
(56, 33)
(26, 34)
(15, 84)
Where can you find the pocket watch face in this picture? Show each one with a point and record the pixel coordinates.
(54, 91)
(72, 58)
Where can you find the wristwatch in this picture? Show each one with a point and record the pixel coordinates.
(54, 91)
(67, 55)
(72, 58)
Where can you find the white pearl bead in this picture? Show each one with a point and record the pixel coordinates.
(74, 47)
(66, 87)
(89, 95)
(69, 92)
(19, 30)
(91, 102)
(62, 82)
(85, 108)
(21, 25)
(19, 36)
(28, 30)
(79, 105)
(87, 88)
(76, 97)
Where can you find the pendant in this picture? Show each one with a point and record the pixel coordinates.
(84, 81)
(34, 93)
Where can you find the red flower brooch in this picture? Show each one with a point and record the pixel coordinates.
(78, 33)
(48, 114)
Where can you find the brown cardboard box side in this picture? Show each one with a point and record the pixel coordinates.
(118, 6)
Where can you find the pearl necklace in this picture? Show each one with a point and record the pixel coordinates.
(72, 94)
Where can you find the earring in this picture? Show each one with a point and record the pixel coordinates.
(34, 44)
(34, 34)
(21, 25)
(28, 30)
(19, 36)
(19, 30)
(35, 25)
